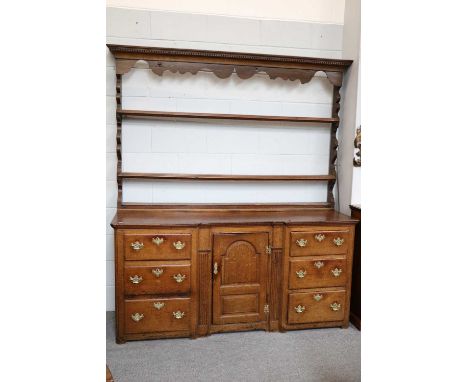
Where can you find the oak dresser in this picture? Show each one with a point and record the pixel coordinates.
(189, 270)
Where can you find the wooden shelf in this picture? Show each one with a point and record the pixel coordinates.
(271, 178)
(236, 117)
(299, 206)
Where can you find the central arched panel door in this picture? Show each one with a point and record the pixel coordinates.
(240, 270)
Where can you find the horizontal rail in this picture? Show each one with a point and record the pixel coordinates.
(271, 178)
(235, 117)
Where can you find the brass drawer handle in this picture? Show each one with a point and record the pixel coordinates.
(178, 315)
(179, 278)
(137, 317)
(137, 245)
(318, 297)
(136, 279)
(299, 308)
(301, 273)
(338, 241)
(336, 272)
(301, 242)
(179, 245)
(157, 272)
(158, 240)
(319, 237)
(335, 306)
(159, 305)
(318, 264)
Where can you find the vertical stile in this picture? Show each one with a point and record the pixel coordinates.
(333, 143)
(118, 97)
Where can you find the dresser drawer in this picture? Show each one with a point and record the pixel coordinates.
(157, 315)
(319, 242)
(158, 246)
(156, 277)
(317, 272)
(318, 306)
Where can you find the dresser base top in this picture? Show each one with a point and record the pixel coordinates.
(142, 218)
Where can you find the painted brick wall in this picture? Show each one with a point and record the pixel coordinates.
(217, 147)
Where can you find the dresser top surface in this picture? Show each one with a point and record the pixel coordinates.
(136, 218)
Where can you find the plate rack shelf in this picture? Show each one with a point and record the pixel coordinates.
(223, 65)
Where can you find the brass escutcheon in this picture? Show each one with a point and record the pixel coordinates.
(319, 237)
(158, 240)
(336, 272)
(137, 317)
(178, 315)
(136, 279)
(179, 278)
(157, 272)
(299, 308)
(338, 241)
(137, 245)
(335, 306)
(301, 273)
(179, 245)
(301, 242)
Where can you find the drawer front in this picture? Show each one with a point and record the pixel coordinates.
(318, 306)
(157, 315)
(156, 277)
(319, 242)
(317, 272)
(156, 246)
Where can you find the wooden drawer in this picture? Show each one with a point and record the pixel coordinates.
(157, 246)
(157, 315)
(317, 306)
(156, 277)
(319, 242)
(317, 272)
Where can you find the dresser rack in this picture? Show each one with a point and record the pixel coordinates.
(223, 65)
(196, 269)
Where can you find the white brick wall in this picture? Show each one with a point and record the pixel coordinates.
(324, 11)
(220, 192)
(173, 29)
(217, 147)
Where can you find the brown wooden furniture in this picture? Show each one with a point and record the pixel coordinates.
(108, 375)
(195, 269)
(356, 284)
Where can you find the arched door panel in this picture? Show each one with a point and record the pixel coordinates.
(239, 285)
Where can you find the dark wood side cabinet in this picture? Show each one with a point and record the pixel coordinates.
(356, 284)
(189, 270)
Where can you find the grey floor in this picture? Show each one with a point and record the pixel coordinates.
(318, 355)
